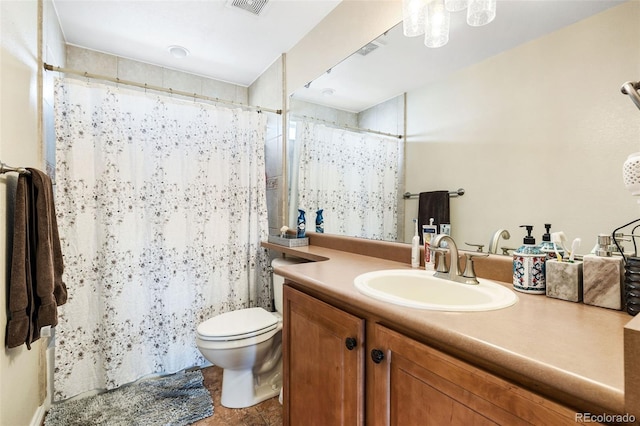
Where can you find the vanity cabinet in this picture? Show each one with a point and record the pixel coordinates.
(383, 377)
(407, 381)
(323, 359)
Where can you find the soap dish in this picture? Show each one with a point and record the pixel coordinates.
(289, 241)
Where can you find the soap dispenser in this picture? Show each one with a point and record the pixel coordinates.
(603, 276)
(546, 246)
(528, 266)
(302, 223)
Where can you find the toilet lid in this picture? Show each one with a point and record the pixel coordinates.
(238, 324)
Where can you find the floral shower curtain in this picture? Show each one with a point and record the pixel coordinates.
(161, 206)
(353, 177)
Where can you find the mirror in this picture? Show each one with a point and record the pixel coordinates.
(525, 114)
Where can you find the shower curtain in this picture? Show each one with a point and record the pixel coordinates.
(353, 177)
(161, 206)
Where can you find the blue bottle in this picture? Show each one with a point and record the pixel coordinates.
(319, 222)
(302, 223)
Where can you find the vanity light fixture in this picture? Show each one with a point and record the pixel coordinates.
(178, 51)
(432, 17)
(481, 12)
(436, 32)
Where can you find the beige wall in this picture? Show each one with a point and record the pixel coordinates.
(23, 385)
(534, 135)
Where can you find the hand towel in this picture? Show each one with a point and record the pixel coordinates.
(434, 204)
(36, 288)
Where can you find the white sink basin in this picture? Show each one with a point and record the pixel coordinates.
(420, 289)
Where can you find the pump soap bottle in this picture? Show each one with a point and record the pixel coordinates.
(546, 246)
(528, 266)
(603, 275)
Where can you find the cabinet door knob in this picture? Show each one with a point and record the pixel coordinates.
(350, 343)
(377, 355)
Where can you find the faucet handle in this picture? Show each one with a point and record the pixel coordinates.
(479, 246)
(441, 260)
(470, 273)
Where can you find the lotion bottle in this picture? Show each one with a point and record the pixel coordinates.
(415, 247)
(528, 266)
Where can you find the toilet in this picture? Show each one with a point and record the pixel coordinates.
(247, 345)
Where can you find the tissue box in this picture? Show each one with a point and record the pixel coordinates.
(564, 280)
(288, 241)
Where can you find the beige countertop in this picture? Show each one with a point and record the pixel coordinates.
(571, 352)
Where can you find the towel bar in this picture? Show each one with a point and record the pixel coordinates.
(458, 193)
(6, 169)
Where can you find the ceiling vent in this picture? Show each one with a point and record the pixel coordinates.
(369, 47)
(255, 7)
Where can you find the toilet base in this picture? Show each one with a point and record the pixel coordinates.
(241, 388)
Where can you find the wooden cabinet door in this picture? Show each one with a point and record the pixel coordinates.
(323, 362)
(412, 384)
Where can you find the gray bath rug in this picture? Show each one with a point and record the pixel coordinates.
(179, 399)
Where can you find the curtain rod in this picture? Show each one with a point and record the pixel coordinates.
(157, 88)
(345, 126)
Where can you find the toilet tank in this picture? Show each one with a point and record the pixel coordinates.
(278, 281)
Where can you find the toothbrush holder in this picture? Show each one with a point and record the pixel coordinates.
(564, 280)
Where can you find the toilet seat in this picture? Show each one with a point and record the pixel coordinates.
(238, 325)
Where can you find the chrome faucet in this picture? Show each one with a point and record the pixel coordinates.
(453, 272)
(495, 239)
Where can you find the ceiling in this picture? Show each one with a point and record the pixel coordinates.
(230, 44)
(225, 42)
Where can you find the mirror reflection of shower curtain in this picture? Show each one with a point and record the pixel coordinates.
(354, 177)
(161, 206)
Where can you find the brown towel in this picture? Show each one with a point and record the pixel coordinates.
(434, 204)
(35, 284)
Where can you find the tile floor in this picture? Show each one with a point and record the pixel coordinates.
(267, 413)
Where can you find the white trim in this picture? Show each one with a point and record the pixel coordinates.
(38, 416)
